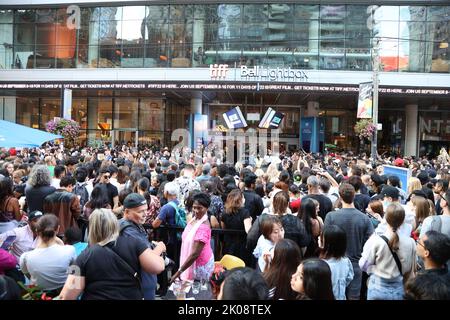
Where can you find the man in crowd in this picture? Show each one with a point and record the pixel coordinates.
(64, 204)
(358, 228)
(135, 207)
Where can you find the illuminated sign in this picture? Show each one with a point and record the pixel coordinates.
(218, 71)
(259, 73)
(217, 86)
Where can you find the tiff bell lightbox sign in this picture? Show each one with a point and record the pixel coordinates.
(257, 73)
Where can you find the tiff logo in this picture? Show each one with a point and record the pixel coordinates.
(218, 71)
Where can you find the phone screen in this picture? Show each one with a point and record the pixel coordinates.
(8, 242)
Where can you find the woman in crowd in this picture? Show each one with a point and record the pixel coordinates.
(312, 280)
(47, 264)
(122, 177)
(98, 201)
(10, 214)
(313, 225)
(197, 258)
(413, 184)
(271, 233)
(293, 227)
(421, 207)
(375, 212)
(333, 252)
(286, 258)
(153, 204)
(216, 208)
(38, 187)
(109, 268)
(389, 259)
(236, 217)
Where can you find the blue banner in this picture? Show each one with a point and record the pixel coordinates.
(402, 173)
(234, 119)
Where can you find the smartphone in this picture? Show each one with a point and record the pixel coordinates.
(8, 242)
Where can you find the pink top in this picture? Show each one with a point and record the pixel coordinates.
(7, 261)
(204, 235)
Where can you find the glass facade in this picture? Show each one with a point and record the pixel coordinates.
(328, 37)
(101, 117)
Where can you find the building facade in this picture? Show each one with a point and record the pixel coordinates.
(139, 69)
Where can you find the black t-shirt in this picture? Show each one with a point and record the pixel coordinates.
(253, 203)
(361, 202)
(106, 277)
(110, 191)
(325, 204)
(36, 195)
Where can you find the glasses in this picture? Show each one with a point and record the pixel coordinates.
(106, 176)
(421, 244)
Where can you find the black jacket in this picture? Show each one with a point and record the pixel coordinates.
(253, 203)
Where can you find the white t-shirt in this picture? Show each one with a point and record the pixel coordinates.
(263, 246)
(445, 224)
(48, 266)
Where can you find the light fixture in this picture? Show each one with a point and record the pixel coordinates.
(443, 45)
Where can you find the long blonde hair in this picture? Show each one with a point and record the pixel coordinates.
(273, 173)
(103, 227)
(413, 184)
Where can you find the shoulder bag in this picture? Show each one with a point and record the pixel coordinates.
(394, 254)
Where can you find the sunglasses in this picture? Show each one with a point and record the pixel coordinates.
(107, 176)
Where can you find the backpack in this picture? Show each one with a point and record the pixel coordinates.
(81, 191)
(180, 217)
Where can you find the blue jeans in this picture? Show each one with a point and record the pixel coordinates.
(385, 289)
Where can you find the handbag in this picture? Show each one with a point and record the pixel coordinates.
(394, 254)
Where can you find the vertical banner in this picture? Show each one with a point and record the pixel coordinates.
(199, 130)
(365, 102)
(67, 102)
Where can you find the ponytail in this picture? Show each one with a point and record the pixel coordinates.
(395, 215)
(393, 243)
(47, 227)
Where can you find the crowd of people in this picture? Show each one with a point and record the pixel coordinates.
(125, 223)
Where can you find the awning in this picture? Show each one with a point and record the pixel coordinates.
(16, 135)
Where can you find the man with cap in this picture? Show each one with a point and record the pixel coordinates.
(391, 195)
(165, 164)
(135, 207)
(25, 237)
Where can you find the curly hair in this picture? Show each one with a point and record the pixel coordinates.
(39, 176)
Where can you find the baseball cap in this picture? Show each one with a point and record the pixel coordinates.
(34, 214)
(390, 191)
(165, 164)
(399, 162)
(134, 200)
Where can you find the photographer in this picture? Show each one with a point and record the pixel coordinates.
(135, 207)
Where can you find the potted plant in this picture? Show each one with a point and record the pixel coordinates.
(69, 129)
(365, 130)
